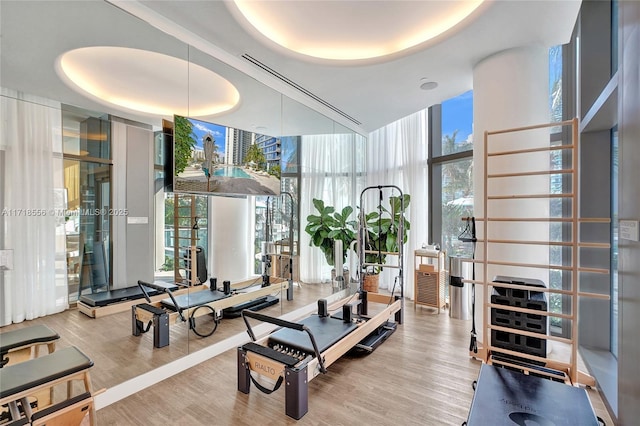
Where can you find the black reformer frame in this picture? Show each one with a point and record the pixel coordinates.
(299, 351)
(187, 307)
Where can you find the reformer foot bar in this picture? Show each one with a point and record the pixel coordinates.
(299, 351)
(18, 342)
(196, 303)
(24, 380)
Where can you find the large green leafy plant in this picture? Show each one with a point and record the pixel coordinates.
(328, 226)
(382, 230)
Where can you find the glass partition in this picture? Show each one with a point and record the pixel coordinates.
(101, 169)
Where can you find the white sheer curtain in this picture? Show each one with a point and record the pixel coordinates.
(397, 155)
(328, 172)
(33, 227)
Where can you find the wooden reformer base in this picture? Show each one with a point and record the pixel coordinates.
(300, 351)
(21, 383)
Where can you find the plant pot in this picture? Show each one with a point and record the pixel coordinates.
(371, 282)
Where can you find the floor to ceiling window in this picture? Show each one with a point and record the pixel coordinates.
(558, 207)
(276, 217)
(451, 164)
(185, 224)
(87, 199)
(331, 169)
(182, 220)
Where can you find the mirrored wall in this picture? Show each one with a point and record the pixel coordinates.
(121, 172)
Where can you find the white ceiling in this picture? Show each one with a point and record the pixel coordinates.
(363, 95)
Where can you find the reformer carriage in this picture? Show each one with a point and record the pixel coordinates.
(198, 303)
(299, 351)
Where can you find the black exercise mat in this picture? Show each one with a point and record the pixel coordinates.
(105, 298)
(505, 397)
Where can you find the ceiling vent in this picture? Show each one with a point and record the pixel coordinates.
(296, 86)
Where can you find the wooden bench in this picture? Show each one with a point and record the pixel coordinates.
(24, 343)
(70, 412)
(20, 381)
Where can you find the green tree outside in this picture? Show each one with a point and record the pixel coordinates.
(275, 171)
(255, 155)
(457, 183)
(184, 141)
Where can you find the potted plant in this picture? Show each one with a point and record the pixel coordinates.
(328, 226)
(381, 236)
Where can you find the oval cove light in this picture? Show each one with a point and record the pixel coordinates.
(146, 82)
(352, 30)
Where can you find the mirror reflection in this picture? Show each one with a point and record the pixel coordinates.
(119, 222)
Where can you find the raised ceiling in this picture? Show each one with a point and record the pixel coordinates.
(350, 31)
(130, 79)
(363, 94)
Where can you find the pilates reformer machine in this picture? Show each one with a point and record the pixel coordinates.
(28, 380)
(109, 302)
(299, 351)
(209, 301)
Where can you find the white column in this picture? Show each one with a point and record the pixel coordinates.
(511, 89)
(230, 248)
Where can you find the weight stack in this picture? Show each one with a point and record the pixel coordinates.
(528, 299)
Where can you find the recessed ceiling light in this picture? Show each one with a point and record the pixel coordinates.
(146, 82)
(428, 85)
(351, 30)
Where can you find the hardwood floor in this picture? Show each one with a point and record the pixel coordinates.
(119, 356)
(421, 375)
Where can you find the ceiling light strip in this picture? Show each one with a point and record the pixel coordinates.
(296, 86)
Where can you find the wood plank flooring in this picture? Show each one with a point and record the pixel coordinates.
(119, 356)
(421, 375)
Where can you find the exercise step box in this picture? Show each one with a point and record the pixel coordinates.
(519, 343)
(519, 320)
(519, 294)
(520, 298)
(538, 302)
